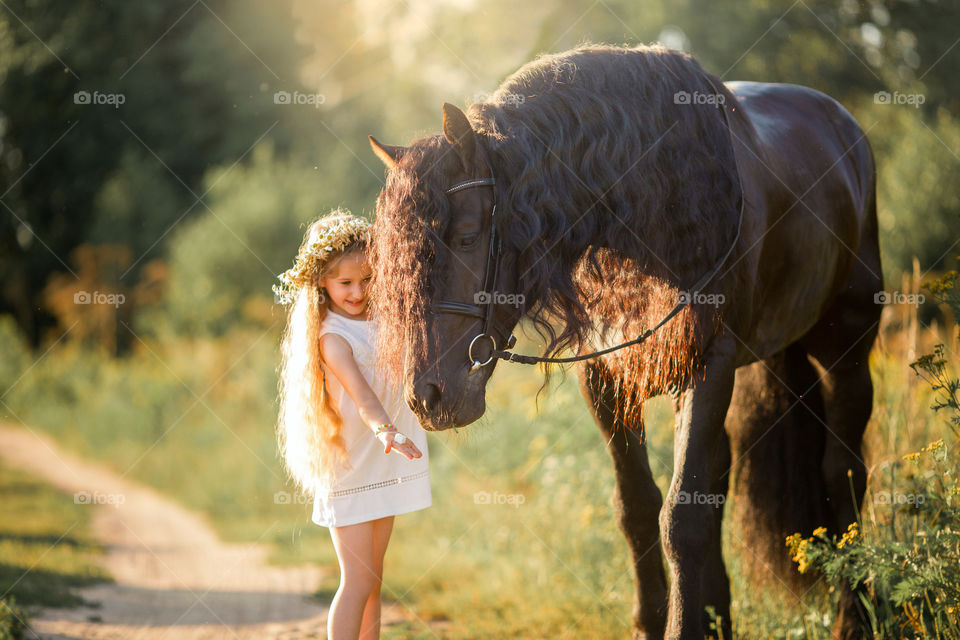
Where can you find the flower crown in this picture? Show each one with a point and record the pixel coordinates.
(306, 267)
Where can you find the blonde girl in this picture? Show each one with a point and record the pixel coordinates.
(347, 436)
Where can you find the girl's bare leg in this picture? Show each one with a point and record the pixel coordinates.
(358, 579)
(370, 628)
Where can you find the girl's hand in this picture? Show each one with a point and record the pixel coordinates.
(408, 449)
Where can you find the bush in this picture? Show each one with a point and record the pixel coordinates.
(917, 196)
(228, 258)
(13, 620)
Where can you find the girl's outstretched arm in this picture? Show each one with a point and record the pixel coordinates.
(339, 358)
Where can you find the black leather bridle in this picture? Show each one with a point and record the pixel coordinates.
(493, 262)
(490, 271)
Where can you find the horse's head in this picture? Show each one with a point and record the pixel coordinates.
(439, 280)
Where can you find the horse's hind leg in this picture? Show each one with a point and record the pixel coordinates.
(839, 346)
(637, 500)
(848, 400)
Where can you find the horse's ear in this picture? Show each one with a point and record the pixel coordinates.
(388, 154)
(459, 133)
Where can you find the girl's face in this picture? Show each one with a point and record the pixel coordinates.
(346, 285)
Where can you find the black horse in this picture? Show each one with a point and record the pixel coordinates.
(620, 178)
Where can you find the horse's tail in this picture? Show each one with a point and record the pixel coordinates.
(777, 435)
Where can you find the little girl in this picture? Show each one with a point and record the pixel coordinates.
(336, 412)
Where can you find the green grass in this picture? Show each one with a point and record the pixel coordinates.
(548, 561)
(46, 550)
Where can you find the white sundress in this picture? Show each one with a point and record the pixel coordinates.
(379, 484)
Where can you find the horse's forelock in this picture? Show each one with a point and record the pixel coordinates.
(408, 251)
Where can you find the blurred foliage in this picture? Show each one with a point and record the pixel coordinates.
(917, 190)
(223, 264)
(13, 620)
(196, 81)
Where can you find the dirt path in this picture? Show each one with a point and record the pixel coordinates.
(174, 578)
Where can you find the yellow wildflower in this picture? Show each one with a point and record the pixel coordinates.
(853, 532)
(798, 551)
(793, 541)
(933, 446)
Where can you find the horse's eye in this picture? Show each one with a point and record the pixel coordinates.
(468, 241)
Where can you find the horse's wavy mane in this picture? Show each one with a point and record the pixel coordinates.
(613, 197)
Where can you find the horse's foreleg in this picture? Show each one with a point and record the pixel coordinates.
(689, 519)
(637, 501)
(716, 584)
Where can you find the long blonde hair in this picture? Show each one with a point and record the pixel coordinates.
(309, 427)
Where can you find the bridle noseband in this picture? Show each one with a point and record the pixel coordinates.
(484, 313)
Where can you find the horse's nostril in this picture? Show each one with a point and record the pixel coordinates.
(431, 397)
